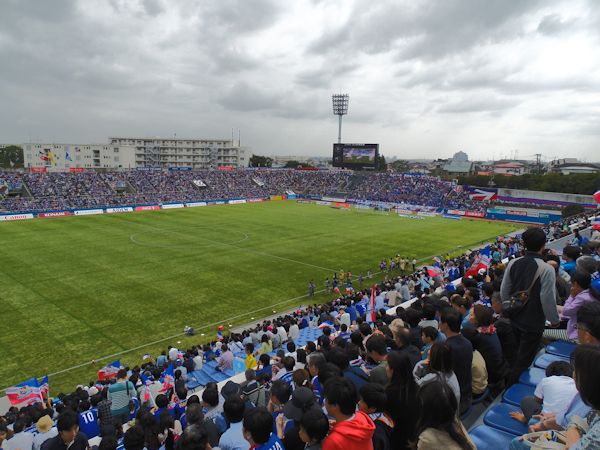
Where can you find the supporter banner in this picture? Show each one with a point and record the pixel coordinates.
(481, 194)
(276, 197)
(180, 168)
(38, 169)
(76, 169)
(218, 202)
(426, 214)
(194, 204)
(406, 212)
(55, 214)
(474, 214)
(237, 202)
(255, 200)
(323, 203)
(291, 196)
(148, 169)
(342, 205)
(172, 206)
(121, 209)
(226, 168)
(362, 206)
(456, 212)
(88, 212)
(16, 217)
(147, 208)
(304, 201)
(448, 216)
(333, 199)
(199, 183)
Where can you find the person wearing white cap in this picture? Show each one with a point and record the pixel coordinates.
(46, 430)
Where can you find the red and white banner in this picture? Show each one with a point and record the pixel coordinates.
(55, 214)
(147, 208)
(16, 217)
(474, 214)
(255, 200)
(38, 169)
(456, 212)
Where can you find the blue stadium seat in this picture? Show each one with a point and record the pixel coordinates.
(561, 348)
(514, 394)
(498, 417)
(532, 376)
(488, 438)
(543, 361)
(482, 397)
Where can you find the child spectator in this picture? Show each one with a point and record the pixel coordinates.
(552, 394)
(429, 335)
(373, 402)
(258, 430)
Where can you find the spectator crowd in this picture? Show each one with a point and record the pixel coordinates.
(58, 190)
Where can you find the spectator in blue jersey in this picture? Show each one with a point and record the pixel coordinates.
(316, 360)
(569, 256)
(258, 430)
(233, 437)
(280, 394)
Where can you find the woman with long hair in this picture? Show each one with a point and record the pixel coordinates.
(438, 366)
(438, 426)
(401, 397)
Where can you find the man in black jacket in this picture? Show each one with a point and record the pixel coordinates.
(528, 324)
(69, 437)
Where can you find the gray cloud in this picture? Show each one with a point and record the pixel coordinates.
(82, 70)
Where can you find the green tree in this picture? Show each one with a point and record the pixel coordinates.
(11, 156)
(260, 161)
(380, 164)
(580, 183)
(572, 210)
(400, 165)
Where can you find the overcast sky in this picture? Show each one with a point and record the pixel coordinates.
(425, 78)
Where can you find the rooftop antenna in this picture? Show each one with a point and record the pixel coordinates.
(340, 108)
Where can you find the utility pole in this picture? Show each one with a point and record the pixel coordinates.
(538, 163)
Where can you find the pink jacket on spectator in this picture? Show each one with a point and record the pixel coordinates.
(572, 305)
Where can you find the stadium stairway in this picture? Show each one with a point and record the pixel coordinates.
(209, 373)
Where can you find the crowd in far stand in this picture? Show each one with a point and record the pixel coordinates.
(371, 380)
(56, 191)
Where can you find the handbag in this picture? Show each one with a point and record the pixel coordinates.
(545, 440)
(517, 301)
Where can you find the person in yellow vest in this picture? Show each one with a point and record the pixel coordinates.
(250, 359)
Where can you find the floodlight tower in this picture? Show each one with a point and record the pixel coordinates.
(340, 108)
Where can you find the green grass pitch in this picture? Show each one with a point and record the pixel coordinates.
(79, 288)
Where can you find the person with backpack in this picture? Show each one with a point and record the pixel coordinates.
(528, 296)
